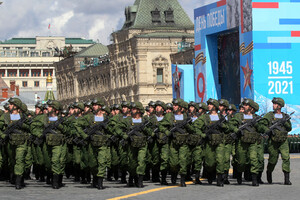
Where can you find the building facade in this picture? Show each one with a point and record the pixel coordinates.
(139, 67)
(26, 62)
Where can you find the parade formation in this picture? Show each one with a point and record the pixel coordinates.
(91, 141)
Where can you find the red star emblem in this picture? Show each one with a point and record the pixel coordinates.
(176, 78)
(247, 76)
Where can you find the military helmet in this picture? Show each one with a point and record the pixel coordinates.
(241, 105)
(179, 102)
(279, 101)
(255, 106)
(24, 108)
(224, 102)
(117, 107)
(203, 106)
(147, 108)
(17, 102)
(6, 106)
(71, 105)
(232, 107)
(39, 105)
(106, 109)
(98, 101)
(195, 105)
(79, 105)
(65, 112)
(161, 103)
(185, 105)
(88, 104)
(55, 104)
(250, 102)
(151, 103)
(125, 104)
(169, 106)
(30, 112)
(213, 102)
(138, 105)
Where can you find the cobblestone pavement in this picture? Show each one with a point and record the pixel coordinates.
(114, 191)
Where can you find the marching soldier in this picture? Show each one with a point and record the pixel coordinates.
(137, 148)
(278, 142)
(13, 128)
(247, 140)
(54, 133)
(212, 124)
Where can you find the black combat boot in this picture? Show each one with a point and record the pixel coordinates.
(55, 184)
(197, 178)
(287, 178)
(164, 177)
(147, 174)
(269, 177)
(220, 180)
(247, 173)
(27, 174)
(60, 179)
(239, 177)
(88, 175)
(109, 174)
(116, 173)
(18, 182)
(130, 181)
(182, 180)
(210, 177)
(94, 182)
(140, 181)
(22, 182)
(173, 177)
(155, 175)
(35, 171)
(42, 173)
(226, 181)
(49, 178)
(123, 177)
(234, 173)
(259, 178)
(254, 180)
(188, 174)
(12, 178)
(100, 183)
(136, 180)
(77, 173)
(83, 176)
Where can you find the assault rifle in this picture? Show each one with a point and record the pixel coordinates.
(211, 129)
(95, 128)
(178, 127)
(53, 126)
(279, 123)
(13, 127)
(150, 138)
(135, 131)
(246, 126)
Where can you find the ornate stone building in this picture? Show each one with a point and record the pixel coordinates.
(140, 64)
(26, 62)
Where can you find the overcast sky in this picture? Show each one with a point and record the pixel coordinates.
(91, 19)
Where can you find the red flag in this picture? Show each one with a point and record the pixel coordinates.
(49, 26)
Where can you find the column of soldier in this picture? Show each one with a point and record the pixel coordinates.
(90, 141)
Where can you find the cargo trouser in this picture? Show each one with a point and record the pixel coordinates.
(154, 155)
(137, 160)
(260, 155)
(100, 160)
(28, 157)
(274, 149)
(16, 156)
(227, 153)
(164, 152)
(55, 161)
(179, 158)
(197, 156)
(247, 151)
(115, 160)
(214, 157)
(123, 155)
